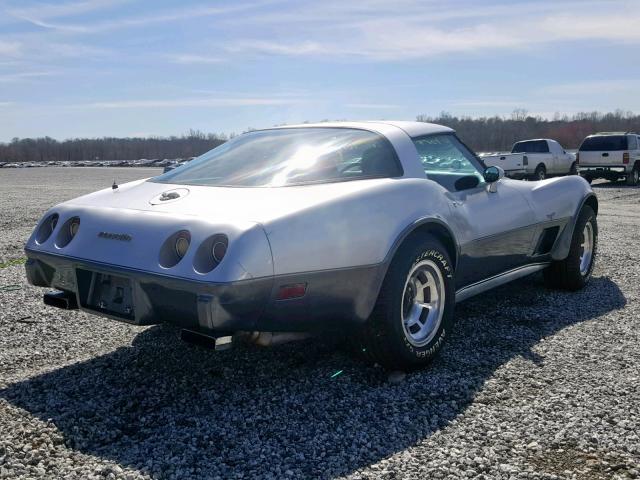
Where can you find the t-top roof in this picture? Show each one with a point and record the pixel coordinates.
(413, 129)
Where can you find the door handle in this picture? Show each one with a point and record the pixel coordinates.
(605, 154)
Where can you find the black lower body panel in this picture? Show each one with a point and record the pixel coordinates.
(334, 299)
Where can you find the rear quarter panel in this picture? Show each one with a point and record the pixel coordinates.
(354, 230)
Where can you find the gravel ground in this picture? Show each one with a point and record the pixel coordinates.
(533, 383)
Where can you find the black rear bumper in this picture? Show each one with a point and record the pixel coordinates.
(200, 306)
(603, 171)
(334, 299)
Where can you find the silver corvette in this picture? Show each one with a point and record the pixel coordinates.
(373, 228)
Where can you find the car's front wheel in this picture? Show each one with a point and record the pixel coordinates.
(574, 169)
(414, 311)
(574, 272)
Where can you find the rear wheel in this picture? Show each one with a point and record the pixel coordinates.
(574, 272)
(414, 310)
(632, 178)
(540, 173)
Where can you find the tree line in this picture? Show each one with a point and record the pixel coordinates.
(483, 134)
(108, 148)
(488, 134)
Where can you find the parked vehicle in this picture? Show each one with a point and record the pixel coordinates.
(610, 155)
(376, 228)
(534, 159)
(174, 164)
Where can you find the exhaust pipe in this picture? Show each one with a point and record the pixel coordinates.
(269, 339)
(207, 341)
(64, 300)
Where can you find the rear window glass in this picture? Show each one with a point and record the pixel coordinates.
(604, 142)
(531, 146)
(290, 156)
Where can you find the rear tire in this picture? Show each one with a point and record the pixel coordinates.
(633, 177)
(414, 311)
(540, 173)
(574, 272)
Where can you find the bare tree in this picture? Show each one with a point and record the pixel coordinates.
(499, 133)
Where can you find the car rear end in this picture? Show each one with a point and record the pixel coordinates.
(146, 265)
(608, 155)
(513, 164)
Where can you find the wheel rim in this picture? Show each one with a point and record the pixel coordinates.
(586, 249)
(423, 302)
(541, 174)
(635, 176)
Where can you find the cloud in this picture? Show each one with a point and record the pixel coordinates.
(56, 10)
(590, 88)
(20, 76)
(269, 47)
(192, 102)
(379, 31)
(72, 50)
(605, 26)
(487, 103)
(132, 21)
(10, 49)
(189, 59)
(373, 106)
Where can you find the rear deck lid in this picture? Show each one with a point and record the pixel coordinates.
(603, 150)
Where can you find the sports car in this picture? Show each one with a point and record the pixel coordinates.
(375, 229)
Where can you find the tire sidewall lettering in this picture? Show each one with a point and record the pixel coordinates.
(432, 348)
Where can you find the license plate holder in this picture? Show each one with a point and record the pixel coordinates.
(112, 295)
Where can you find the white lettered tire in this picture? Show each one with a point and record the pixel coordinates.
(414, 312)
(574, 272)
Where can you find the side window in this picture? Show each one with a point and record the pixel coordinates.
(366, 159)
(633, 142)
(446, 160)
(542, 146)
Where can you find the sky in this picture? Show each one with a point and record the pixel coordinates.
(93, 68)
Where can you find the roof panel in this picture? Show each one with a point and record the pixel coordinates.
(413, 129)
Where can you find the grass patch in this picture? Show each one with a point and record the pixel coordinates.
(11, 263)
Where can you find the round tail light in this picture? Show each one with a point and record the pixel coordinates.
(182, 245)
(46, 228)
(210, 253)
(174, 248)
(73, 227)
(219, 250)
(67, 232)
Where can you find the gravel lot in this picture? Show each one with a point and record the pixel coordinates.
(533, 384)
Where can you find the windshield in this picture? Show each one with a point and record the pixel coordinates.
(604, 142)
(290, 156)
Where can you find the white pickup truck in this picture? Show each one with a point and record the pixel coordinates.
(611, 155)
(534, 159)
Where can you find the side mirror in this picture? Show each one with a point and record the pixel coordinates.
(491, 176)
